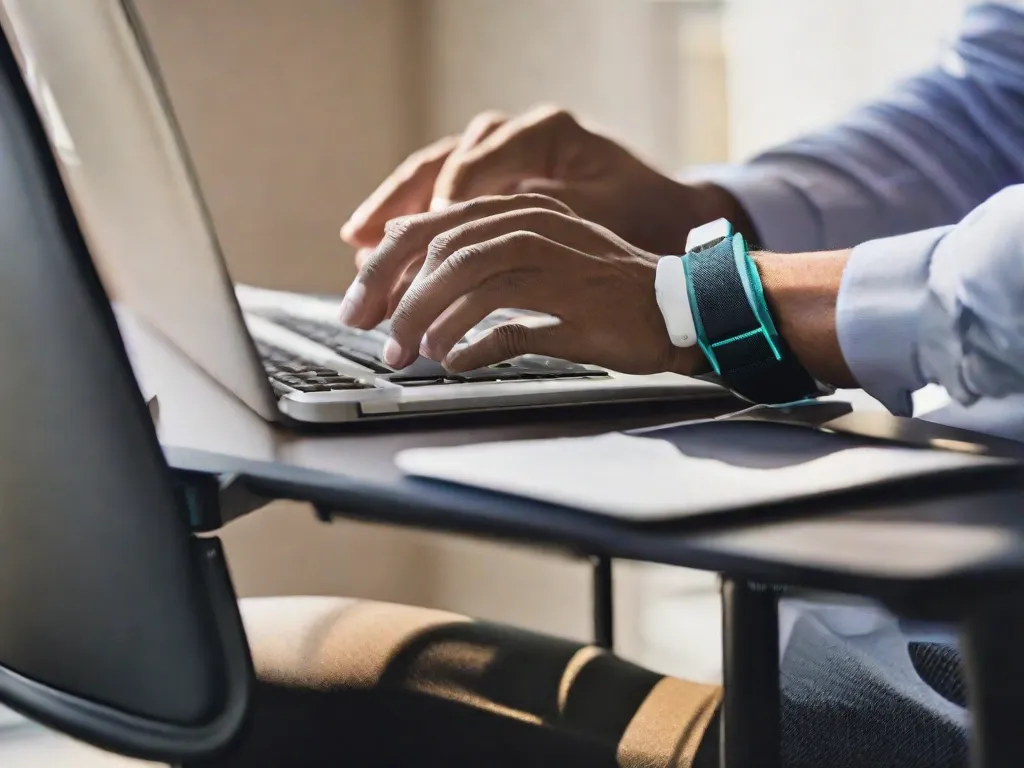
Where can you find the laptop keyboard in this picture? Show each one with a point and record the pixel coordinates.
(287, 371)
(366, 349)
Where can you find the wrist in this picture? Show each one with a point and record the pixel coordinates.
(801, 291)
(712, 202)
(669, 209)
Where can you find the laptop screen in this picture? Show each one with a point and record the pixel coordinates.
(100, 94)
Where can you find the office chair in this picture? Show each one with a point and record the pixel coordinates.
(117, 625)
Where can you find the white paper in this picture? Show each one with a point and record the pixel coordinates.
(640, 478)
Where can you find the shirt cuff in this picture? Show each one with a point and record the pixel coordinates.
(882, 294)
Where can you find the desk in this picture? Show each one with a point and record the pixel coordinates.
(966, 541)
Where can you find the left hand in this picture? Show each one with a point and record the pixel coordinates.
(523, 252)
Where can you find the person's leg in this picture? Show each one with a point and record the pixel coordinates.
(353, 683)
(856, 693)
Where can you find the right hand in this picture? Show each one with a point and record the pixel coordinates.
(543, 151)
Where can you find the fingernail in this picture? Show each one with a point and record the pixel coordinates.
(392, 353)
(352, 304)
(439, 203)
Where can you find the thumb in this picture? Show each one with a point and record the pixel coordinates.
(508, 341)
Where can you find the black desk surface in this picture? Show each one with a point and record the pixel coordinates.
(888, 543)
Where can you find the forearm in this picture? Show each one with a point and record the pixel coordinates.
(939, 306)
(801, 291)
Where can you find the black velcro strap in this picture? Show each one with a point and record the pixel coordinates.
(745, 357)
(767, 380)
(739, 352)
(721, 301)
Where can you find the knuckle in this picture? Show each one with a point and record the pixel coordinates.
(537, 201)
(484, 120)
(524, 240)
(540, 216)
(560, 119)
(397, 228)
(461, 259)
(478, 206)
(521, 237)
(441, 245)
(511, 340)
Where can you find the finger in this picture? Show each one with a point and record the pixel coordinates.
(569, 194)
(511, 340)
(405, 240)
(508, 256)
(553, 224)
(361, 255)
(479, 128)
(524, 147)
(400, 288)
(406, 191)
(456, 322)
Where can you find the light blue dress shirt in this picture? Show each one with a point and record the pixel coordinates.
(927, 185)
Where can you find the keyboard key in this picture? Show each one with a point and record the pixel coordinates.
(414, 381)
(485, 374)
(366, 349)
(304, 376)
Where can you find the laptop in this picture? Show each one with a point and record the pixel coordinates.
(98, 88)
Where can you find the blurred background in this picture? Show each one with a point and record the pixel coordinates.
(294, 111)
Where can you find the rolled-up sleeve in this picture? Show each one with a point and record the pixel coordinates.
(943, 306)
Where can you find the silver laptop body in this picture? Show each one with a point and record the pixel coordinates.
(98, 88)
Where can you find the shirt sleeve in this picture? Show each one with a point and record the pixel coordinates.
(940, 306)
(924, 157)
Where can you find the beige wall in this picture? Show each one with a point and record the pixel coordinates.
(293, 110)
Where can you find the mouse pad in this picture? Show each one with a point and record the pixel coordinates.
(684, 470)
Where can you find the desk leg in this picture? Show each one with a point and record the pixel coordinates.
(751, 713)
(604, 602)
(993, 647)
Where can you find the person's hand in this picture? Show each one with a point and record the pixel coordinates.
(546, 151)
(523, 251)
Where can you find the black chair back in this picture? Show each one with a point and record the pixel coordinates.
(117, 625)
